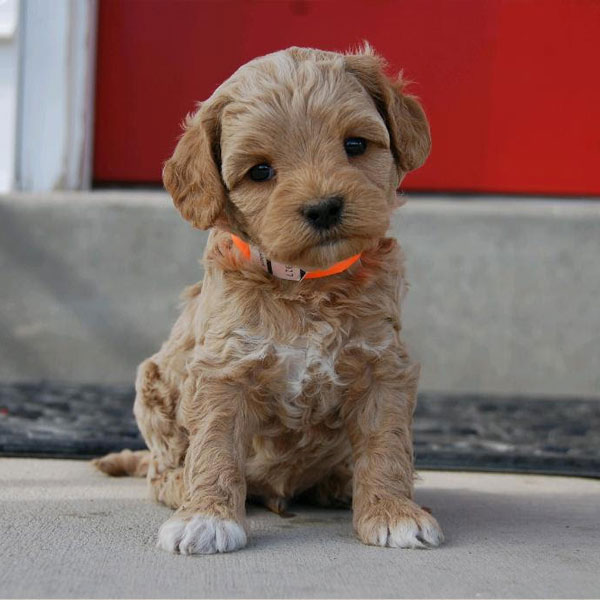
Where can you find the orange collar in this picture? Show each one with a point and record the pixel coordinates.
(290, 272)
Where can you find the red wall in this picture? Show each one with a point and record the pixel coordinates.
(511, 87)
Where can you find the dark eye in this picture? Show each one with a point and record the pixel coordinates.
(262, 172)
(355, 146)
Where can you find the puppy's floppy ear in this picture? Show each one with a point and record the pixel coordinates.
(192, 176)
(403, 115)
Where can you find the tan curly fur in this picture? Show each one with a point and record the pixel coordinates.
(268, 388)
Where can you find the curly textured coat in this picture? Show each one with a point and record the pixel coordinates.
(270, 388)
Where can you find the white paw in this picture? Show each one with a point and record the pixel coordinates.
(410, 534)
(415, 529)
(201, 535)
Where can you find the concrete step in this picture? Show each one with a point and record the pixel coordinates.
(503, 296)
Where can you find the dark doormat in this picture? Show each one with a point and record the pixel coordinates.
(467, 432)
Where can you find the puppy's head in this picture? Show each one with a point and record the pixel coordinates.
(300, 152)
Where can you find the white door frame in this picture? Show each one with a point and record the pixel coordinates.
(9, 86)
(56, 95)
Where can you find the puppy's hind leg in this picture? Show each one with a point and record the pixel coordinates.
(155, 407)
(154, 410)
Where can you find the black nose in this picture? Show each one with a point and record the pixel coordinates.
(325, 214)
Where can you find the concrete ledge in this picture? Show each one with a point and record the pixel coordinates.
(503, 299)
(70, 532)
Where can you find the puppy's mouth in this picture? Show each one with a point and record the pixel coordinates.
(310, 250)
(329, 241)
(324, 252)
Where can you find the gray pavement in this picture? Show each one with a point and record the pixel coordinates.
(68, 531)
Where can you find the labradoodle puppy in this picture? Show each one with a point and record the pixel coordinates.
(285, 374)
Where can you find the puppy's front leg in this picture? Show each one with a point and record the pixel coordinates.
(212, 516)
(380, 433)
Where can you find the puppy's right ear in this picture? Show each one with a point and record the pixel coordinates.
(402, 113)
(192, 176)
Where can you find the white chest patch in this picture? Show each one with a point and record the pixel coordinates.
(307, 365)
(303, 362)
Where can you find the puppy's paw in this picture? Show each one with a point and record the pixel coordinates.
(201, 534)
(401, 525)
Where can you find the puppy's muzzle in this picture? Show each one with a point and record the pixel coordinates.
(326, 214)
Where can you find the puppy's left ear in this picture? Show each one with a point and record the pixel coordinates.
(403, 115)
(192, 175)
